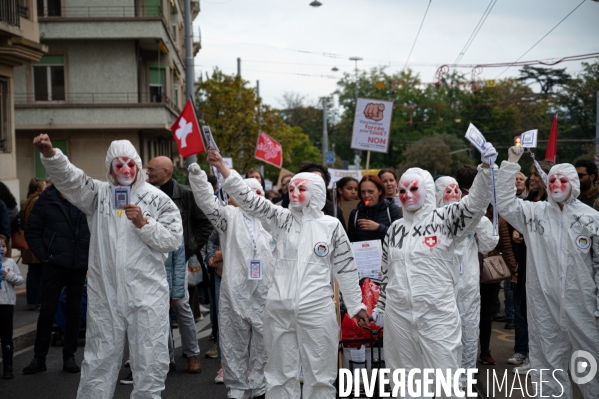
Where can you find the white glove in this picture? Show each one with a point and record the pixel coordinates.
(194, 169)
(378, 318)
(489, 154)
(514, 154)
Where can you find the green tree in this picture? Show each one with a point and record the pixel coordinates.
(236, 115)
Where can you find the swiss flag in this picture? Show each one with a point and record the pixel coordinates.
(186, 132)
(430, 241)
(269, 150)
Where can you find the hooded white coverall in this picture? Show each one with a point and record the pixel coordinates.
(299, 317)
(422, 323)
(241, 302)
(562, 279)
(127, 288)
(467, 290)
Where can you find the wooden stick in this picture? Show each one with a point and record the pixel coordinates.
(367, 161)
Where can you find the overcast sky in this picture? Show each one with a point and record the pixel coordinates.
(280, 41)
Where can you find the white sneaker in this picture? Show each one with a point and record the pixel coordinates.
(517, 359)
(204, 309)
(523, 368)
(220, 377)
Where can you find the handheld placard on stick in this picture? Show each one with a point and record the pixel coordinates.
(540, 170)
(477, 139)
(211, 145)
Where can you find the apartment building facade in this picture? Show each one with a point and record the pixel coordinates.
(19, 45)
(115, 69)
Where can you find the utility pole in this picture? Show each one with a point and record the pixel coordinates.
(597, 133)
(238, 66)
(356, 59)
(325, 133)
(189, 75)
(257, 88)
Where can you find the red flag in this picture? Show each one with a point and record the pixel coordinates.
(186, 132)
(552, 145)
(269, 150)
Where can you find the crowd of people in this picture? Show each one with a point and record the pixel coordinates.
(268, 261)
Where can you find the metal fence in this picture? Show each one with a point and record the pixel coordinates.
(10, 12)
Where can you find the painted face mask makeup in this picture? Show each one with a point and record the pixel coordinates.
(124, 170)
(300, 192)
(451, 194)
(412, 191)
(559, 187)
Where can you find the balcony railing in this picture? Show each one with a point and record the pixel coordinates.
(95, 99)
(104, 12)
(10, 12)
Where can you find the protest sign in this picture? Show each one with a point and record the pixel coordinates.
(372, 125)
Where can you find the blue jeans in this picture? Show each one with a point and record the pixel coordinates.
(521, 338)
(509, 299)
(34, 284)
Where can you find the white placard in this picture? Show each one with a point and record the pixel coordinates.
(228, 162)
(267, 185)
(367, 255)
(120, 196)
(529, 139)
(338, 174)
(474, 136)
(372, 125)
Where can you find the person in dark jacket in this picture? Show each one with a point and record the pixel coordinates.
(58, 235)
(374, 213)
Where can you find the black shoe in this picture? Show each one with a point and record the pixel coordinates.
(259, 397)
(7, 374)
(498, 317)
(128, 380)
(35, 366)
(70, 366)
(510, 325)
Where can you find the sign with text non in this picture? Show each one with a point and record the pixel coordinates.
(372, 125)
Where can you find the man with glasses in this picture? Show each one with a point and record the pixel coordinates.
(587, 174)
(196, 230)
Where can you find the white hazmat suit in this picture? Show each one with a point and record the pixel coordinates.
(127, 290)
(299, 317)
(562, 280)
(422, 323)
(242, 300)
(467, 290)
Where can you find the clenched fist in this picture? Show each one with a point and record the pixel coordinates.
(514, 154)
(374, 111)
(44, 145)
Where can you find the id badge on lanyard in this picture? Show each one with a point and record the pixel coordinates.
(254, 269)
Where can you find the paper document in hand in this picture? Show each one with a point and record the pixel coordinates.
(529, 139)
(367, 255)
(358, 357)
(210, 143)
(474, 136)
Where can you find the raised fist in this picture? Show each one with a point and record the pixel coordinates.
(514, 154)
(374, 111)
(44, 145)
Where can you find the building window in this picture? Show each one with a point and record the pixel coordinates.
(5, 114)
(157, 79)
(48, 8)
(176, 95)
(40, 171)
(48, 78)
(174, 33)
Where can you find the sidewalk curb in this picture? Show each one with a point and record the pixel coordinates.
(24, 337)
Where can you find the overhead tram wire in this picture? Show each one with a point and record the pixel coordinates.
(417, 34)
(479, 25)
(541, 39)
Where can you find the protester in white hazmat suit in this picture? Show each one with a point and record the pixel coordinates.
(421, 319)
(242, 300)
(128, 292)
(467, 290)
(562, 277)
(299, 316)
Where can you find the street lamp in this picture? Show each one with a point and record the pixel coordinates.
(356, 59)
(316, 3)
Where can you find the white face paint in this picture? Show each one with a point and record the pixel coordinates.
(412, 191)
(124, 170)
(300, 192)
(451, 194)
(559, 187)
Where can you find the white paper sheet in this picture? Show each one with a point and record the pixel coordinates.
(368, 258)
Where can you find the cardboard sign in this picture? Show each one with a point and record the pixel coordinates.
(372, 125)
(338, 174)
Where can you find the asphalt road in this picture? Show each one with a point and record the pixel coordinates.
(56, 383)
